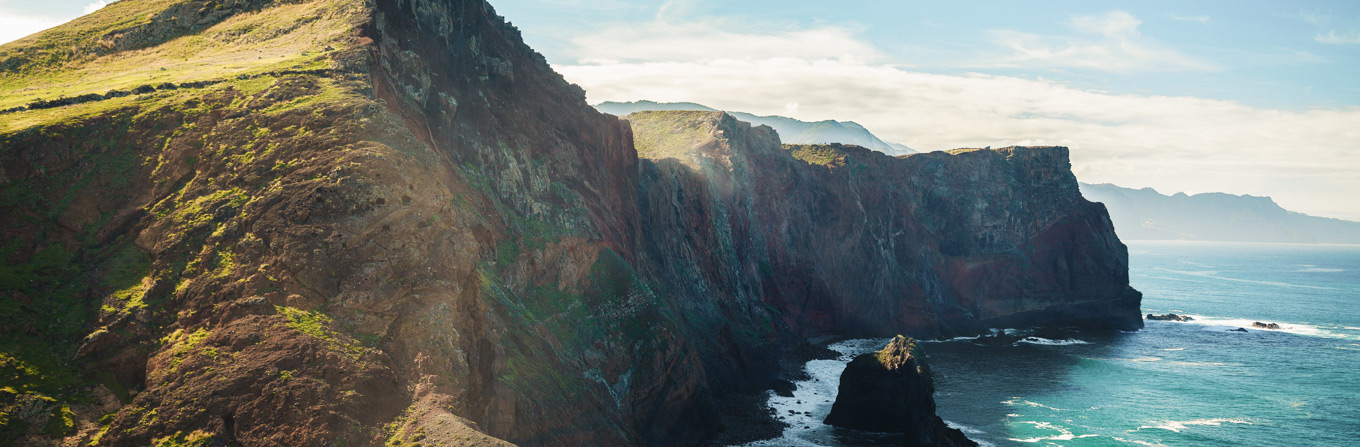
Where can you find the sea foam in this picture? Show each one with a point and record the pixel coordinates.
(1221, 323)
(1177, 426)
(1048, 342)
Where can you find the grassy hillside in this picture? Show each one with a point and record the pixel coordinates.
(148, 43)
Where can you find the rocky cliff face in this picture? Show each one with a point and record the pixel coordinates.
(840, 239)
(361, 223)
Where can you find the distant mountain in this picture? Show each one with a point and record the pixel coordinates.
(1149, 215)
(790, 130)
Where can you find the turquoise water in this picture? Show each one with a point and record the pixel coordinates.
(1174, 384)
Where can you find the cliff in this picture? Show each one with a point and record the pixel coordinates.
(317, 222)
(841, 239)
(790, 130)
(1149, 215)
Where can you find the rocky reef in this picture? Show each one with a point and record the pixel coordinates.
(892, 391)
(391, 223)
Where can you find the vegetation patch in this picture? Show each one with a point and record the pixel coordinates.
(182, 345)
(829, 155)
(670, 134)
(181, 439)
(318, 325)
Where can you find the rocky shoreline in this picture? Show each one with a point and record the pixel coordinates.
(748, 417)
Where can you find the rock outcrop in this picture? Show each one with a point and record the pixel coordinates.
(1271, 326)
(1170, 317)
(371, 222)
(892, 391)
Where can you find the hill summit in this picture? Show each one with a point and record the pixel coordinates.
(790, 130)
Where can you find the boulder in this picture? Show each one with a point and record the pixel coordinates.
(891, 391)
(1169, 317)
(1260, 325)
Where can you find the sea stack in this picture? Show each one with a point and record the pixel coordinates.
(891, 391)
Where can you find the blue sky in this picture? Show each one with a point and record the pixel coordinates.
(1264, 53)
(1245, 97)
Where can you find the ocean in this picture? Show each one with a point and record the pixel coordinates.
(1175, 384)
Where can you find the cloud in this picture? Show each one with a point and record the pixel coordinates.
(1200, 19)
(1306, 159)
(1109, 42)
(1315, 17)
(15, 28)
(92, 7)
(1332, 38)
(700, 41)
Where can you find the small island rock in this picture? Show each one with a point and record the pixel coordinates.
(891, 391)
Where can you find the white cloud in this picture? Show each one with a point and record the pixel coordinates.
(1308, 160)
(1315, 17)
(92, 7)
(15, 28)
(1200, 19)
(1109, 42)
(699, 41)
(1332, 38)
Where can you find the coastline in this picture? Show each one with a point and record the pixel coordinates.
(748, 417)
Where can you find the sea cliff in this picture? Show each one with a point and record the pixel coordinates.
(390, 222)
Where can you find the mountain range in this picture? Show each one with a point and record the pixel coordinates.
(790, 130)
(1147, 214)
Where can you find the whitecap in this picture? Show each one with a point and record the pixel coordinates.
(1017, 401)
(1174, 349)
(1186, 363)
(1044, 341)
(1132, 441)
(1063, 433)
(1177, 426)
(964, 338)
(1319, 270)
(1211, 274)
(1221, 324)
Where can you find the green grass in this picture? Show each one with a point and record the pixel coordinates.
(829, 155)
(671, 134)
(74, 59)
(318, 325)
(181, 439)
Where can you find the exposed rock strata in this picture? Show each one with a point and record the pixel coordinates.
(433, 235)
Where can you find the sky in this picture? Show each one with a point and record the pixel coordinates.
(1244, 97)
